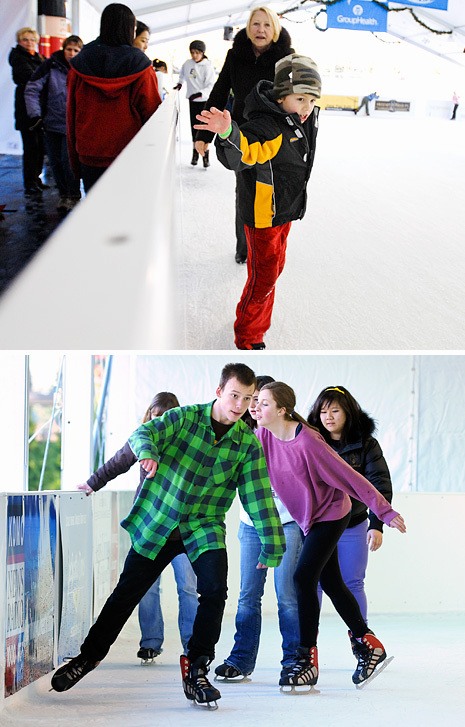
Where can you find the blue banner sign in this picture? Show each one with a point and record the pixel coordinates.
(357, 15)
(436, 4)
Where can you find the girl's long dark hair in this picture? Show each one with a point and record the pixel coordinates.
(117, 25)
(351, 408)
(160, 403)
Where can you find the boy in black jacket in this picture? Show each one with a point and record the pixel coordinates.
(274, 152)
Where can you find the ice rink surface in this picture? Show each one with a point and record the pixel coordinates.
(378, 261)
(422, 686)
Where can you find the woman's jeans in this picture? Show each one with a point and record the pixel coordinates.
(139, 573)
(150, 615)
(249, 615)
(352, 552)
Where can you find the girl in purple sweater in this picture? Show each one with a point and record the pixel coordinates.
(315, 484)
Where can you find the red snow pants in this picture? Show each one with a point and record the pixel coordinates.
(266, 254)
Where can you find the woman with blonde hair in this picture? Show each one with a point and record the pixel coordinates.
(315, 485)
(252, 58)
(24, 61)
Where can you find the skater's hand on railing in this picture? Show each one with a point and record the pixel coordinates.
(150, 466)
(374, 539)
(398, 523)
(86, 488)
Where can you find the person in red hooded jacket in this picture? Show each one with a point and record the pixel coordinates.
(112, 92)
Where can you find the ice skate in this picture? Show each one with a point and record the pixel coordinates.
(147, 655)
(195, 158)
(227, 673)
(356, 646)
(206, 160)
(195, 683)
(371, 656)
(301, 677)
(72, 672)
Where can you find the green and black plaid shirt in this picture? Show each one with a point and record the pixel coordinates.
(196, 482)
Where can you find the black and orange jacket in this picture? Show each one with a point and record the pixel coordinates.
(273, 155)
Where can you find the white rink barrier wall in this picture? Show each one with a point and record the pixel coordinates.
(57, 548)
(108, 272)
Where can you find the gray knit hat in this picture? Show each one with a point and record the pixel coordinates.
(296, 74)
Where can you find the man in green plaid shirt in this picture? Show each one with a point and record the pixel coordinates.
(196, 458)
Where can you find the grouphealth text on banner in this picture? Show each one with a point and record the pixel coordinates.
(357, 15)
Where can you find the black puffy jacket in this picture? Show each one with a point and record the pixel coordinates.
(366, 456)
(273, 154)
(23, 65)
(241, 72)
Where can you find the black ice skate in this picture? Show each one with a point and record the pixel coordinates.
(147, 655)
(227, 673)
(206, 159)
(301, 677)
(371, 655)
(195, 158)
(72, 672)
(195, 682)
(356, 646)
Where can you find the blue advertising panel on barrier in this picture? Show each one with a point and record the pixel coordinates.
(357, 15)
(76, 541)
(428, 4)
(3, 532)
(31, 549)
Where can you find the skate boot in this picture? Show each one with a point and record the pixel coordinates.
(227, 673)
(206, 159)
(147, 655)
(303, 673)
(72, 672)
(371, 655)
(195, 682)
(356, 646)
(195, 158)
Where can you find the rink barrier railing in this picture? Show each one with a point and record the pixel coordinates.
(61, 554)
(105, 279)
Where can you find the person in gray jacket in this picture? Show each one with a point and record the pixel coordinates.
(45, 98)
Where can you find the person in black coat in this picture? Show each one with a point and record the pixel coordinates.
(24, 60)
(251, 59)
(349, 431)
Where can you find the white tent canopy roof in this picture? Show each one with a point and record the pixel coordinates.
(172, 19)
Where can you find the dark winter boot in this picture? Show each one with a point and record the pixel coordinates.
(195, 157)
(371, 654)
(227, 673)
(304, 670)
(147, 655)
(72, 672)
(206, 159)
(195, 682)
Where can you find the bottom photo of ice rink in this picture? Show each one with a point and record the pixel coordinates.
(178, 459)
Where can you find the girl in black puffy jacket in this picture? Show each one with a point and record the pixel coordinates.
(349, 431)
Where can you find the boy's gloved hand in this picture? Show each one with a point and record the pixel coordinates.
(177, 87)
(193, 96)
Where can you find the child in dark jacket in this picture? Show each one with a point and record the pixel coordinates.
(45, 97)
(273, 153)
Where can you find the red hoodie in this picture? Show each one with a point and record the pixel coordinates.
(105, 113)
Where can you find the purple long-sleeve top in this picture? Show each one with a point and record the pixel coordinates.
(315, 483)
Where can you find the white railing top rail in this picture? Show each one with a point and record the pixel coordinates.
(105, 278)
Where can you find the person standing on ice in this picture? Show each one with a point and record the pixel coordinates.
(314, 483)
(199, 74)
(272, 155)
(364, 103)
(196, 458)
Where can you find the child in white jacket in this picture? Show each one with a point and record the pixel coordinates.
(199, 75)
